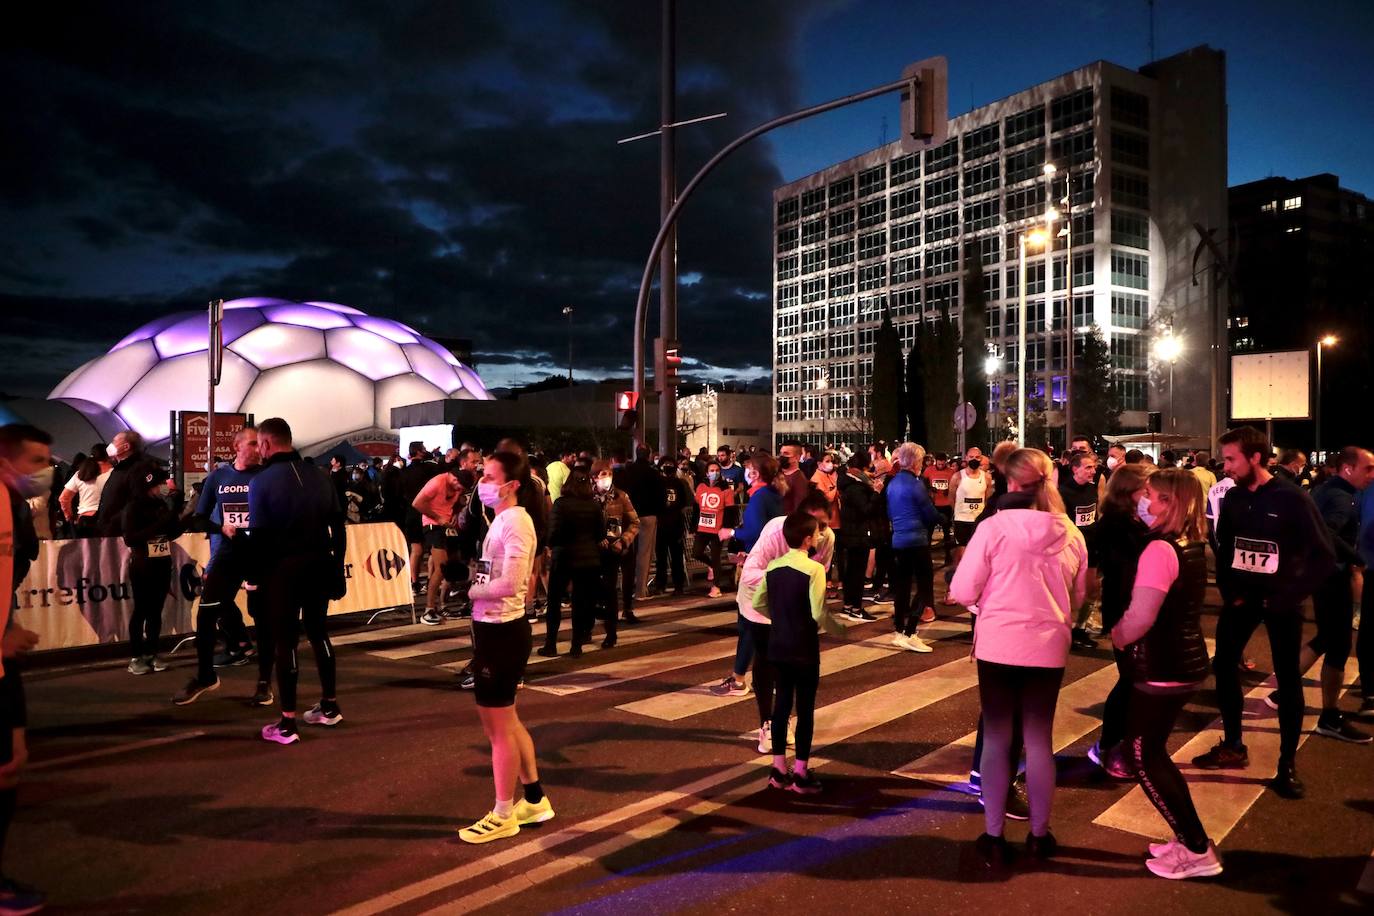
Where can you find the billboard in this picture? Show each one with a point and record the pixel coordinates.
(195, 431)
(1271, 386)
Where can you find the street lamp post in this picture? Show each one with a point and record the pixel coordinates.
(823, 384)
(568, 312)
(1067, 232)
(1035, 237)
(1330, 340)
(991, 366)
(1169, 348)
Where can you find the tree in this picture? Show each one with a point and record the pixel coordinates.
(916, 388)
(1096, 397)
(940, 365)
(973, 345)
(885, 405)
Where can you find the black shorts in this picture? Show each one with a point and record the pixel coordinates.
(414, 527)
(963, 532)
(437, 538)
(500, 652)
(12, 709)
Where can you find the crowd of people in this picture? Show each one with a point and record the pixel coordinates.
(1037, 549)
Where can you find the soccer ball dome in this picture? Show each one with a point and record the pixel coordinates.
(327, 369)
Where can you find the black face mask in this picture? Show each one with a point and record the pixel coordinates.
(975, 464)
(784, 462)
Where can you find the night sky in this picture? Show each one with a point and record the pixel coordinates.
(454, 164)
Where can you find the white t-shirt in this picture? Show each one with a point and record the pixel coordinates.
(1214, 497)
(503, 574)
(87, 492)
(969, 496)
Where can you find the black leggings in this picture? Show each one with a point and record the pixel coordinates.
(852, 576)
(1335, 607)
(218, 609)
(623, 563)
(801, 680)
(944, 521)
(1118, 705)
(294, 596)
(1285, 642)
(1151, 720)
(1003, 690)
(150, 579)
(906, 563)
(706, 548)
(668, 545)
(586, 595)
(764, 672)
(559, 577)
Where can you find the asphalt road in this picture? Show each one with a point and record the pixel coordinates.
(134, 805)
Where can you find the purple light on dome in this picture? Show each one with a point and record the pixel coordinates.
(107, 379)
(335, 307)
(440, 352)
(366, 353)
(472, 383)
(393, 331)
(148, 330)
(430, 367)
(191, 333)
(249, 302)
(305, 315)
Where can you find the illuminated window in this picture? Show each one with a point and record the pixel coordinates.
(1292, 203)
(1267, 207)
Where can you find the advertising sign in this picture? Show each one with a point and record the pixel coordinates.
(195, 427)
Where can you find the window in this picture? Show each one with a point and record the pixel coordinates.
(787, 267)
(812, 201)
(941, 226)
(1082, 270)
(842, 374)
(1074, 149)
(941, 191)
(1130, 149)
(906, 301)
(1082, 314)
(813, 230)
(813, 260)
(872, 212)
(1134, 392)
(1035, 278)
(841, 191)
(842, 283)
(906, 168)
(1028, 125)
(788, 209)
(789, 351)
(1025, 165)
(981, 215)
(905, 203)
(813, 319)
(942, 260)
(874, 276)
(866, 370)
(787, 238)
(1082, 232)
(813, 348)
(905, 268)
(813, 290)
(1025, 203)
(1131, 190)
(1131, 270)
(1130, 310)
(988, 249)
(944, 156)
(906, 235)
(787, 295)
(1130, 108)
(873, 180)
(872, 245)
(841, 222)
(1129, 351)
(981, 142)
(992, 327)
(1268, 206)
(789, 323)
(906, 332)
(1130, 229)
(1082, 184)
(789, 409)
(841, 252)
(1292, 203)
(1035, 355)
(982, 178)
(842, 344)
(991, 285)
(1068, 110)
(870, 311)
(845, 312)
(789, 380)
(942, 298)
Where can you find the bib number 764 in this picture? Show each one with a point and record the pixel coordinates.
(1256, 556)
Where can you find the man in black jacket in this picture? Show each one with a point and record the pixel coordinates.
(672, 522)
(1273, 551)
(645, 486)
(129, 459)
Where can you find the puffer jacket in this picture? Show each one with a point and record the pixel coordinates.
(859, 513)
(910, 510)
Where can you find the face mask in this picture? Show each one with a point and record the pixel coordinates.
(1143, 510)
(751, 477)
(713, 477)
(489, 494)
(112, 450)
(603, 484)
(827, 467)
(1112, 463)
(784, 462)
(35, 484)
(974, 464)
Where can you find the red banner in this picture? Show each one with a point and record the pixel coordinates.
(195, 428)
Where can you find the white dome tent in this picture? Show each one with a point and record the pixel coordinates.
(331, 371)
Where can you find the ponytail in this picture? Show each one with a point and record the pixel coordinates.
(1032, 471)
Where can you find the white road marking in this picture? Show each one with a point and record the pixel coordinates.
(630, 669)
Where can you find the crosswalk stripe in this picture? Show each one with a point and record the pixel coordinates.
(630, 669)
(1223, 797)
(430, 647)
(696, 699)
(379, 635)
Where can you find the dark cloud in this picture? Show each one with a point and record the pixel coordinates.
(450, 164)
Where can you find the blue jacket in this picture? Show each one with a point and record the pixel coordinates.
(1367, 526)
(293, 511)
(763, 507)
(910, 509)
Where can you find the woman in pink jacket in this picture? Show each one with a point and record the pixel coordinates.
(1026, 569)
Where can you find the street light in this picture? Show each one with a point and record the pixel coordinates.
(1036, 238)
(1169, 348)
(568, 312)
(823, 385)
(1330, 340)
(992, 365)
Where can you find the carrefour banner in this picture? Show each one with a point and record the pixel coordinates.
(78, 593)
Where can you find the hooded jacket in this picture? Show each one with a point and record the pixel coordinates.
(1027, 571)
(911, 511)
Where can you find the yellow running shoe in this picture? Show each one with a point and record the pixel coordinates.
(490, 828)
(527, 813)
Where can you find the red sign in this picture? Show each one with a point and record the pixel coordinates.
(195, 428)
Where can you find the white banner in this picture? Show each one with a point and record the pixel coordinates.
(77, 593)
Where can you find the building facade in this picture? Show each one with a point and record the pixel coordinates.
(1139, 156)
(714, 418)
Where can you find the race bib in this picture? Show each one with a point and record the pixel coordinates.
(940, 483)
(481, 572)
(159, 547)
(1083, 516)
(672, 497)
(1256, 556)
(973, 505)
(708, 519)
(236, 515)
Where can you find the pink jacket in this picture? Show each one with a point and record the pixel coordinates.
(1026, 571)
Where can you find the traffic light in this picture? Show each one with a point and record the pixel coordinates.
(925, 104)
(626, 410)
(667, 361)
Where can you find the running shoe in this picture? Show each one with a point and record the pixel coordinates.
(491, 827)
(1366, 709)
(1181, 862)
(1041, 847)
(608, 643)
(547, 651)
(155, 663)
(140, 666)
(713, 593)
(805, 783)
(263, 696)
(19, 899)
(1018, 802)
(928, 616)
(993, 850)
(467, 680)
(629, 618)
(1271, 699)
(1223, 757)
(1336, 726)
(1081, 639)
(858, 613)
(730, 687)
(230, 659)
(778, 779)
(1286, 783)
(431, 618)
(882, 596)
(912, 643)
(461, 612)
(766, 738)
(1163, 846)
(283, 732)
(319, 714)
(527, 813)
(191, 692)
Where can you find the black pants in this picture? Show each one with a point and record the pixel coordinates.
(1234, 629)
(150, 579)
(882, 564)
(1335, 607)
(801, 681)
(706, 549)
(669, 546)
(945, 522)
(1151, 720)
(1364, 644)
(294, 595)
(909, 562)
(13, 715)
(764, 673)
(852, 575)
(586, 595)
(559, 578)
(611, 564)
(1117, 707)
(1004, 691)
(218, 608)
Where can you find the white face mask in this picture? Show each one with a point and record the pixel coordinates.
(112, 450)
(1143, 510)
(751, 477)
(827, 467)
(603, 484)
(1112, 462)
(489, 494)
(35, 484)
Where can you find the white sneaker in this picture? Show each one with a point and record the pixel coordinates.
(155, 663)
(911, 643)
(713, 593)
(766, 738)
(1180, 863)
(316, 715)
